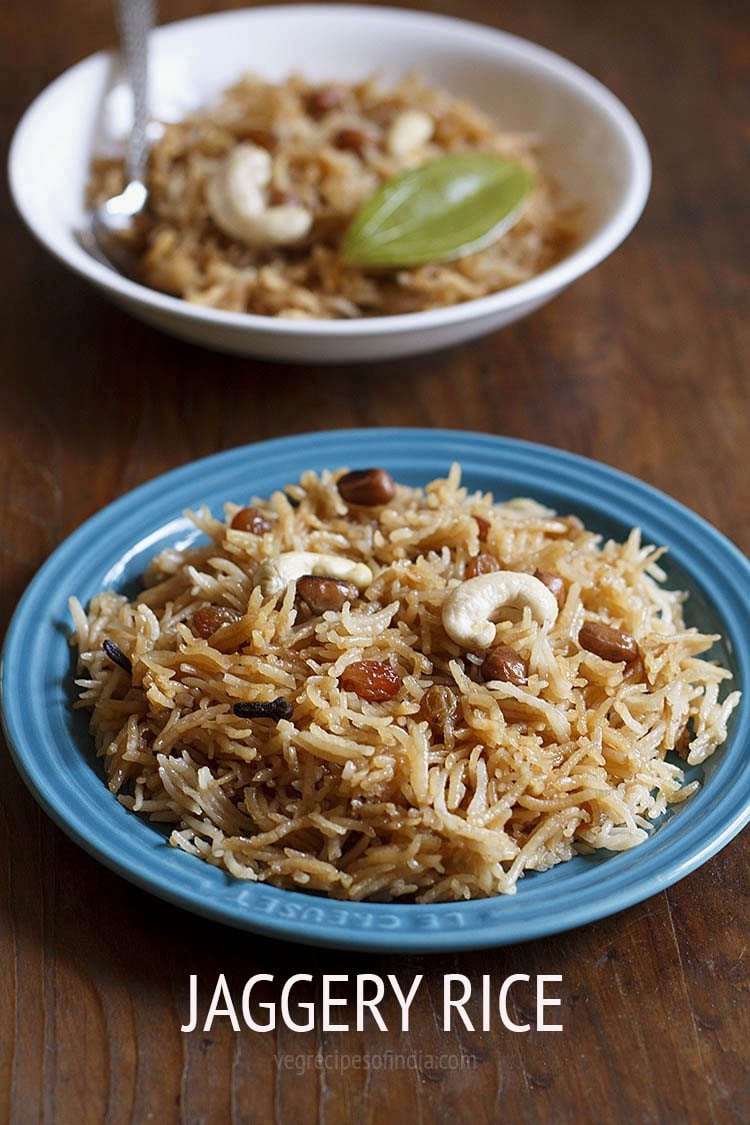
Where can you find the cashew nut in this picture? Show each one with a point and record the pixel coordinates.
(274, 575)
(238, 203)
(409, 131)
(468, 610)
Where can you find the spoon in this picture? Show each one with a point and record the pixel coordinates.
(117, 216)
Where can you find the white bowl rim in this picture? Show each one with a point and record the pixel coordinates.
(537, 289)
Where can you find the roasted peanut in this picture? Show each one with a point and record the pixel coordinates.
(355, 140)
(371, 680)
(207, 620)
(481, 564)
(504, 663)
(554, 584)
(250, 519)
(439, 706)
(636, 671)
(370, 488)
(324, 99)
(608, 643)
(321, 594)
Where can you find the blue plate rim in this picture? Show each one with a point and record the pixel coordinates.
(484, 922)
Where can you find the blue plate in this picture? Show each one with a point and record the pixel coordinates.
(54, 753)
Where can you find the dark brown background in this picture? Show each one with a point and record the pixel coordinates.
(639, 364)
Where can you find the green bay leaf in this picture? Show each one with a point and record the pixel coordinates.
(444, 209)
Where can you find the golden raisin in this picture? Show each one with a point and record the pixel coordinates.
(369, 488)
(250, 519)
(504, 663)
(554, 584)
(481, 564)
(321, 594)
(608, 643)
(371, 680)
(207, 620)
(439, 706)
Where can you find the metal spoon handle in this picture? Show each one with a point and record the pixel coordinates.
(135, 20)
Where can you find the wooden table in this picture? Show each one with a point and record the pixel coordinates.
(640, 365)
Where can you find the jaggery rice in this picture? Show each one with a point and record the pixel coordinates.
(328, 145)
(236, 718)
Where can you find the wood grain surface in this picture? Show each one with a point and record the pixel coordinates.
(642, 365)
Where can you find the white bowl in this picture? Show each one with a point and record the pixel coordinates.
(592, 146)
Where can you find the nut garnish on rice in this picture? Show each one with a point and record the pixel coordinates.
(332, 734)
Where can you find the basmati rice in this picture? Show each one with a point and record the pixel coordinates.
(363, 800)
(181, 251)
